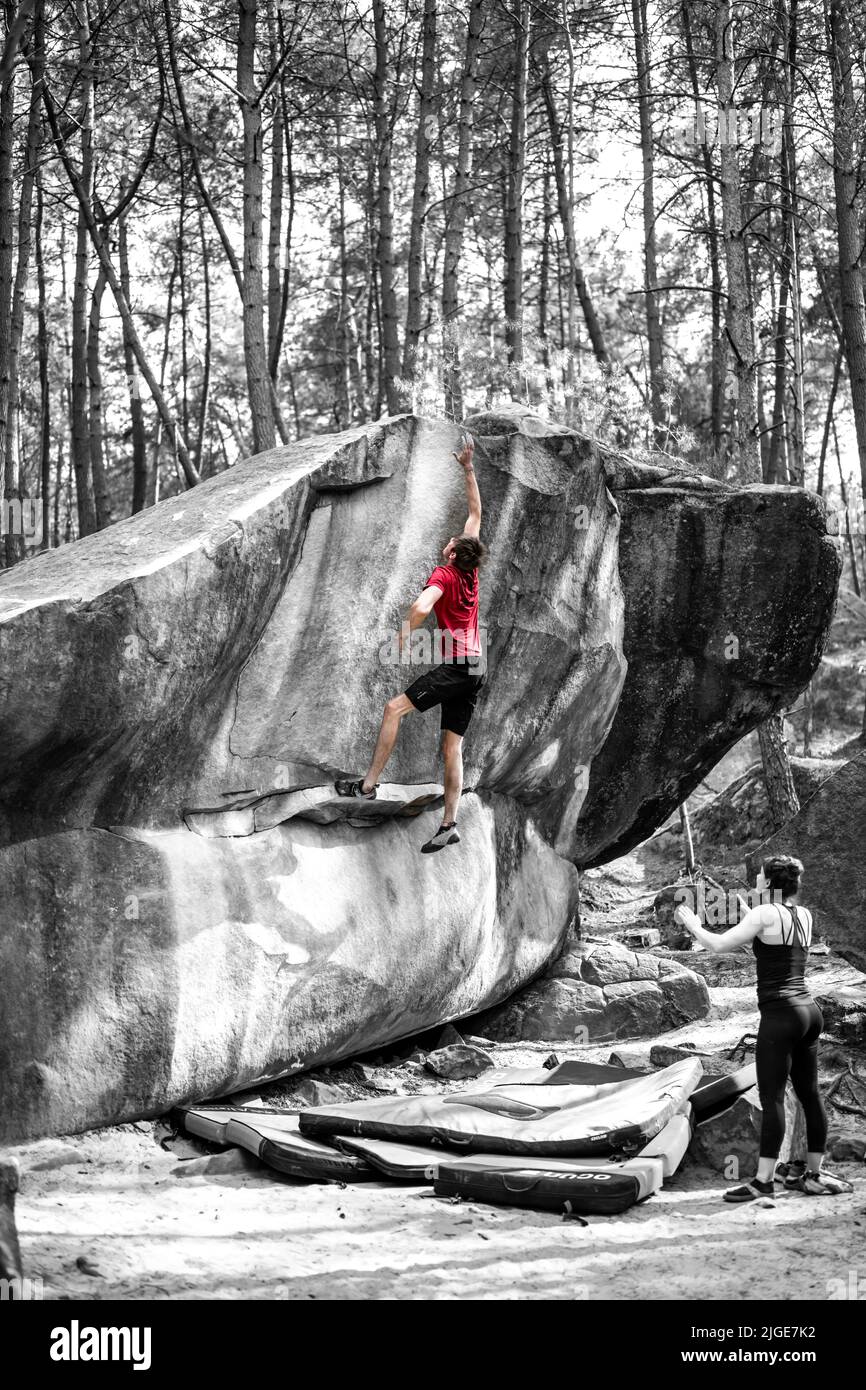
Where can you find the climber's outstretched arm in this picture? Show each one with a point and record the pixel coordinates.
(473, 496)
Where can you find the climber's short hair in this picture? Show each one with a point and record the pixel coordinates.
(469, 553)
(783, 873)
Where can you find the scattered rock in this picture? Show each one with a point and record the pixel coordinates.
(735, 1135)
(311, 1091)
(369, 1076)
(731, 968)
(640, 938)
(846, 1148)
(10, 1251)
(663, 1055)
(475, 1042)
(844, 1011)
(218, 1165)
(550, 1062)
(632, 1061)
(459, 1062)
(49, 1154)
(597, 992)
(86, 1265)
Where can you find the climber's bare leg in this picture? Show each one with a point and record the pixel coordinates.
(395, 711)
(452, 752)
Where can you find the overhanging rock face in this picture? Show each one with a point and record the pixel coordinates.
(186, 911)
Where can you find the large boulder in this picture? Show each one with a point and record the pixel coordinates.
(827, 834)
(595, 993)
(186, 911)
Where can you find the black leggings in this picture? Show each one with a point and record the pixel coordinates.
(788, 1045)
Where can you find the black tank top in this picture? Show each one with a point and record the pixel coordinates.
(782, 969)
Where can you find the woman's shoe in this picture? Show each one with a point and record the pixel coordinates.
(822, 1184)
(794, 1173)
(750, 1191)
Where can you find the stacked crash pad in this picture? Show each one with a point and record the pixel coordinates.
(581, 1138)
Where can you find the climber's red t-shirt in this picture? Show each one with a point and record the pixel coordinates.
(457, 610)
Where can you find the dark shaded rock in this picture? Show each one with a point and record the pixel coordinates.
(846, 1148)
(729, 1142)
(10, 1251)
(459, 1061)
(449, 1037)
(696, 564)
(739, 817)
(827, 834)
(844, 1011)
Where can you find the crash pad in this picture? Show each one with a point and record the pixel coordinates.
(273, 1136)
(543, 1119)
(716, 1093)
(421, 1164)
(580, 1192)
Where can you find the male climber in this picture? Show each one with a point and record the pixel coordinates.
(451, 593)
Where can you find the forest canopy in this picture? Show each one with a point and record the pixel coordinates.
(229, 226)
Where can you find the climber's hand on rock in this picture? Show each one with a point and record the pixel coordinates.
(467, 449)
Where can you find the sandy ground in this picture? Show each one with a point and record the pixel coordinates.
(147, 1231)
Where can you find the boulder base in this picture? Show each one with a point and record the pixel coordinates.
(596, 993)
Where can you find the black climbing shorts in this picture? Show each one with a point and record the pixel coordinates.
(454, 686)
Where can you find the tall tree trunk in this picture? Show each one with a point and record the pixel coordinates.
(204, 401)
(342, 377)
(255, 353)
(843, 489)
(828, 418)
(390, 345)
(516, 178)
(42, 349)
(424, 136)
(719, 349)
(575, 269)
(136, 409)
(846, 136)
(7, 255)
(784, 803)
(456, 216)
(94, 415)
(80, 432)
(739, 315)
(190, 475)
(275, 211)
(653, 320)
(22, 270)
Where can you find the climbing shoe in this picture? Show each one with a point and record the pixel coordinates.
(793, 1173)
(750, 1191)
(445, 835)
(347, 786)
(822, 1184)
